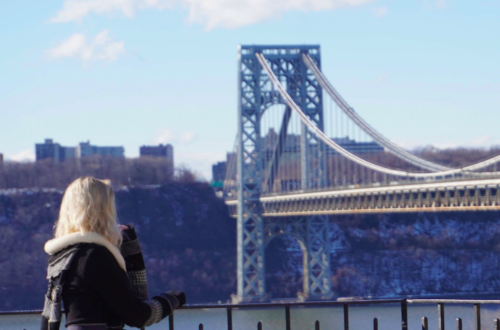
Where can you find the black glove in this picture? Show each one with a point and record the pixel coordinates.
(131, 250)
(179, 295)
(171, 300)
(134, 262)
(129, 234)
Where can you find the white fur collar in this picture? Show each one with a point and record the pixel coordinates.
(57, 244)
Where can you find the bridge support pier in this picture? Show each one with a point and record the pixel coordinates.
(319, 281)
(256, 94)
(312, 234)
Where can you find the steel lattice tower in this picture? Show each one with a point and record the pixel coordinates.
(256, 94)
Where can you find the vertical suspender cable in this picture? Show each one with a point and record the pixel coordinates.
(392, 147)
(322, 136)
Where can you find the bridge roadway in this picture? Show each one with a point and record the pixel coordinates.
(464, 195)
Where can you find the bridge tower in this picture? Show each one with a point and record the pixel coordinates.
(255, 95)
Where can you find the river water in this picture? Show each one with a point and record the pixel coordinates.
(331, 318)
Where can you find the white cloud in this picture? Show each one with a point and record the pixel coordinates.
(77, 46)
(483, 141)
(209, 13)
(167, 135)
(200, 162)
(27, 155)
(76, 10)
(381, 78)
(412, 144)
(441, 4)
(437, 4)
(237, 13)
(163, 136)
(187, 136)
(379, 12)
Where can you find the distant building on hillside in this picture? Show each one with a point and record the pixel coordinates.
(225, 170)
(163, 151)
(293, 144)
(66, 153)
(356, 147)
(49, 150)
(85, 149)
(159, 151)
(219, 171)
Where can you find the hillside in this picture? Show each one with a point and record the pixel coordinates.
(189, 243)
(399, 255)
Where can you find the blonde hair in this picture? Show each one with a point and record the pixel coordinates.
(88, 205)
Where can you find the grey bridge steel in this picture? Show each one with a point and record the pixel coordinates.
(256, 94)
(476, 195)
(261, 216)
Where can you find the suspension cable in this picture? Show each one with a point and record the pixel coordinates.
(392, 147)
(321, 135)
(379, 138)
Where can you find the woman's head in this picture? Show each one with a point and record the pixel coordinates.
(88, 205)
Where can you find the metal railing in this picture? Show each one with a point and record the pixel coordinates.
(440, 309)
(344, 304)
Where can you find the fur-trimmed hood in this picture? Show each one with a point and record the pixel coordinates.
(57, 244)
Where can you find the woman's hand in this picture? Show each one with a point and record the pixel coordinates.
(128, 232)
(122, 227)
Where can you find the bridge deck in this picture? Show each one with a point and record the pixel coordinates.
(465, 195)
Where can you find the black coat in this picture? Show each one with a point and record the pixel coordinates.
(97, 291)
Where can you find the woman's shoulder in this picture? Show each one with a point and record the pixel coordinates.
(82, 260)
(95, 261)
(88, 256)
(96, 253)
(92, 244)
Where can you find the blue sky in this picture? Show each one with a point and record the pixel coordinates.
(135, 72)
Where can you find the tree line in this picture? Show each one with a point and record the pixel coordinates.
(151, 171)
(457, 157)
(121, 172)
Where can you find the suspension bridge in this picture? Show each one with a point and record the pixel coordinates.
(303, 153)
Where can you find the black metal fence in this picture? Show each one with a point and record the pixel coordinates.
(440, 303)
(286, 306)
(440, 309)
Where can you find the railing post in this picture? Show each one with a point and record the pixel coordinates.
(259, 326)
(171, 321)
(459, 324)
(404, 315)
(477, 316)
(497, 324)
(375, 323)
(316, 325)
(346, 317)
(287, 317)
(425, 323)
(200, 327)
(229, 318)
(441, 316)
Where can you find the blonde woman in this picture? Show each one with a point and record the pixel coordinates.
(87, 272)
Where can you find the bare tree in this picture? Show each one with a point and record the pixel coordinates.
(136, 171)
